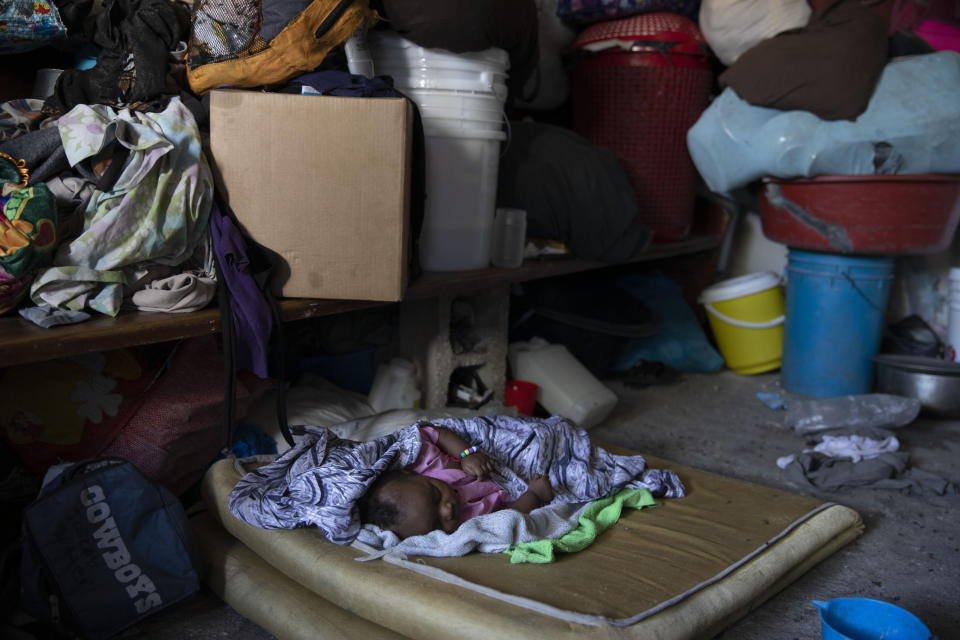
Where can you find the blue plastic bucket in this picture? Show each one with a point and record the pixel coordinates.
(835, 312)
(866, 619)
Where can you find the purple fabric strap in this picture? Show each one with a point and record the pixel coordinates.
(252, 321)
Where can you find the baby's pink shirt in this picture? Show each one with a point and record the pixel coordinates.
(477, 497)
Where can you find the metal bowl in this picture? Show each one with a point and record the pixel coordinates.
(934, 382)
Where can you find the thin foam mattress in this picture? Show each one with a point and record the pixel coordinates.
(687, 568)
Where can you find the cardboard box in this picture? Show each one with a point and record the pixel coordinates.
(324, 182)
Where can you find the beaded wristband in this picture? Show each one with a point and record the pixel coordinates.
(468, 451)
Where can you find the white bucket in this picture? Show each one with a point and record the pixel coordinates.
(463, 132)
(461, 183)
(460, 97)
(953, 317)
(413, 66)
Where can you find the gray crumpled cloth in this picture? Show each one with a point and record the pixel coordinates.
(179, 293)
(886, 471)
(319, 480)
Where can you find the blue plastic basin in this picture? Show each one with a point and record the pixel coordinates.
(866, 619)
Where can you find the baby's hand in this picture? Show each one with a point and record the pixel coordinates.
(479, 465)
(540, 485)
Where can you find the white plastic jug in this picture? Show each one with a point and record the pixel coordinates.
(567, 388)
(394, 386)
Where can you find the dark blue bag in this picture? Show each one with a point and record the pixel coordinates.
(103, 548)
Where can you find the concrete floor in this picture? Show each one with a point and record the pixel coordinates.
(909, 554)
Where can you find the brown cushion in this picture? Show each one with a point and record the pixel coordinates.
(830, 67)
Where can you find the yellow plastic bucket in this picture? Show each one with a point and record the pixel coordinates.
(746, 316)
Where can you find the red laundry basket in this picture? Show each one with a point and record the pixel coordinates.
(638, 85)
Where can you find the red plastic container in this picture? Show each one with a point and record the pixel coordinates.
(638, 85)
(869, 214)
(522, 395)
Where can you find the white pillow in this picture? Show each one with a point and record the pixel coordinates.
(372, 427)
(733, 26)
(317, 402)
(313, 400)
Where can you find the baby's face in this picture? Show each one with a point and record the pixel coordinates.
(424, 504)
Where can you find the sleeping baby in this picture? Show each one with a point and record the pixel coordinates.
(435, 477)
(445, 486)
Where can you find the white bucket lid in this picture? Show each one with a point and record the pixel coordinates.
(455, 99)
(739, 287)
(487, 98)
(480, 83)
(381, 40)
(403, 69)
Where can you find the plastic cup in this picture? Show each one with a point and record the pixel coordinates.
(509, 238)
(522, 395)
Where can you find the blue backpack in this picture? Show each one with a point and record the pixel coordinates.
(103, 548)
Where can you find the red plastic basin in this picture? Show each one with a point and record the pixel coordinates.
(872, 214)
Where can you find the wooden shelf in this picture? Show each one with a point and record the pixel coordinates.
(22, 341)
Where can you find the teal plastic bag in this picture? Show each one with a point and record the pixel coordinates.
(681, 342)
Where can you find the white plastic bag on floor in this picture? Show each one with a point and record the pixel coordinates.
(911, 126)
(869, 410)
(733, 26)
